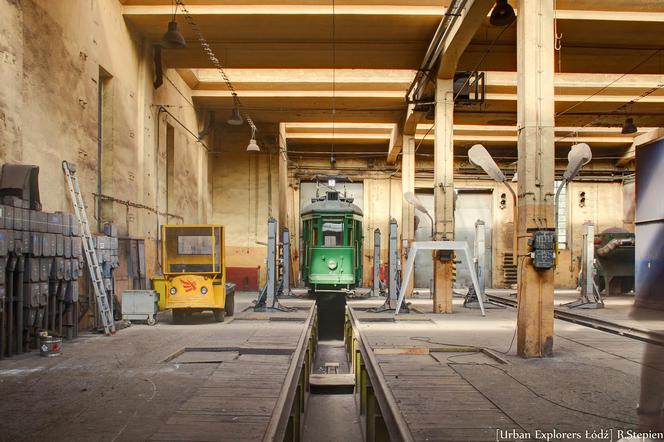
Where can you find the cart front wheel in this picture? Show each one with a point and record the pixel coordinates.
(218, 314)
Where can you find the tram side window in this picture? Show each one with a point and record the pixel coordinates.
(333, 234)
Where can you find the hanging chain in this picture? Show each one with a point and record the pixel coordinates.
(215, 61)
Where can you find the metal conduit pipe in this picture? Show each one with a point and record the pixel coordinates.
(18, 288)
(11, 265)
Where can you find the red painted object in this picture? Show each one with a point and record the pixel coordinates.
(245, 278)
(383, 273)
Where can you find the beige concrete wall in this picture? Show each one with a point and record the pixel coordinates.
(241, 203)
(244, 194)
(51, 52)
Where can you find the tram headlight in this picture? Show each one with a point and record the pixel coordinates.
(203, 290)
(173, 291)
(331, 264)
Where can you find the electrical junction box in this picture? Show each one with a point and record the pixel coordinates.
(543, 245)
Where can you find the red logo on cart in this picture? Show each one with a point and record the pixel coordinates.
(189, 286)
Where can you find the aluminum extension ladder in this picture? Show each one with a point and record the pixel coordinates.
(89, 249)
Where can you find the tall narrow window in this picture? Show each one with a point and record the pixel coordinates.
(104, 146)
(561, 222)
(170, 170)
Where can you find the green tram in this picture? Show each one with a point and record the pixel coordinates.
(331, 244)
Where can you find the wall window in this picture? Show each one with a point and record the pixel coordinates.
(561, 222)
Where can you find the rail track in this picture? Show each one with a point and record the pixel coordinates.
(598, 324)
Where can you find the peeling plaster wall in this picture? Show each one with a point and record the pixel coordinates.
(50, 55)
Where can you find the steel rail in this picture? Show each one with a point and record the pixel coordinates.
(276, 428)
(394, 420)
(598, 324)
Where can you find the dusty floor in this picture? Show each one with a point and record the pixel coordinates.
(592, 382)
(121, 388)
(113, 388)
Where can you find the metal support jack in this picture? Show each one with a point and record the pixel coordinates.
(285, 286)
(590, 297)
(436, 245)
(268, 296)
(105, 312)
(394, 272)
(378, 288)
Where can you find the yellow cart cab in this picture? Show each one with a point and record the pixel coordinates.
(194, 268)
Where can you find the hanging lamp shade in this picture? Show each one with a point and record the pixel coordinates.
(253, 146)
(629, 127)
(173, 38)
(502, 14)
(236, 117)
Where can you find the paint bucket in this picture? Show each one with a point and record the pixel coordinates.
(50, 346)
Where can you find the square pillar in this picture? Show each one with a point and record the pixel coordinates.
(283, 178)
(443, 192)
(284, 193)
(407, 210)
(536, 121)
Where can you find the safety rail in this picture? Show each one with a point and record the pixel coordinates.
(383, 420)
(286, 420)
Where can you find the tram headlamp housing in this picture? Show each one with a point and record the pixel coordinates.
(173, 291)
(331, 264)
(204, 290)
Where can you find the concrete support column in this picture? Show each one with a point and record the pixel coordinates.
(535, 94)
(283, 178)
(443, 192)
(407, 210)
(284, 193)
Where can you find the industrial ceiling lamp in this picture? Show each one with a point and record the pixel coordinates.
(173, 38)
(502, 14)
(480, 157)
(236, 117)
(629, 127)
(253, 146)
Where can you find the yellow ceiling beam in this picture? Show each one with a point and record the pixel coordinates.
(297, 94)
(307, 75)
(583, 80)
(462, 32)
(652, 135)
(276, 9)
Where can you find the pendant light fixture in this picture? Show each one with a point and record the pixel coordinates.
(502, 14)
(253, 146)
(628, 126)
(173, 38)
(236, 118)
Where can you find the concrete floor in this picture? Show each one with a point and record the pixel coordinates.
(593, 380)
(113, 388)
(120, 388)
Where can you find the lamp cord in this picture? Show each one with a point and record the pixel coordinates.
(216, 62)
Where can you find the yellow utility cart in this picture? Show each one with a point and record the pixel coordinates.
(194, 268)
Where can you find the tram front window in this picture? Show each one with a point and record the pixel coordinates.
(333, 234)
